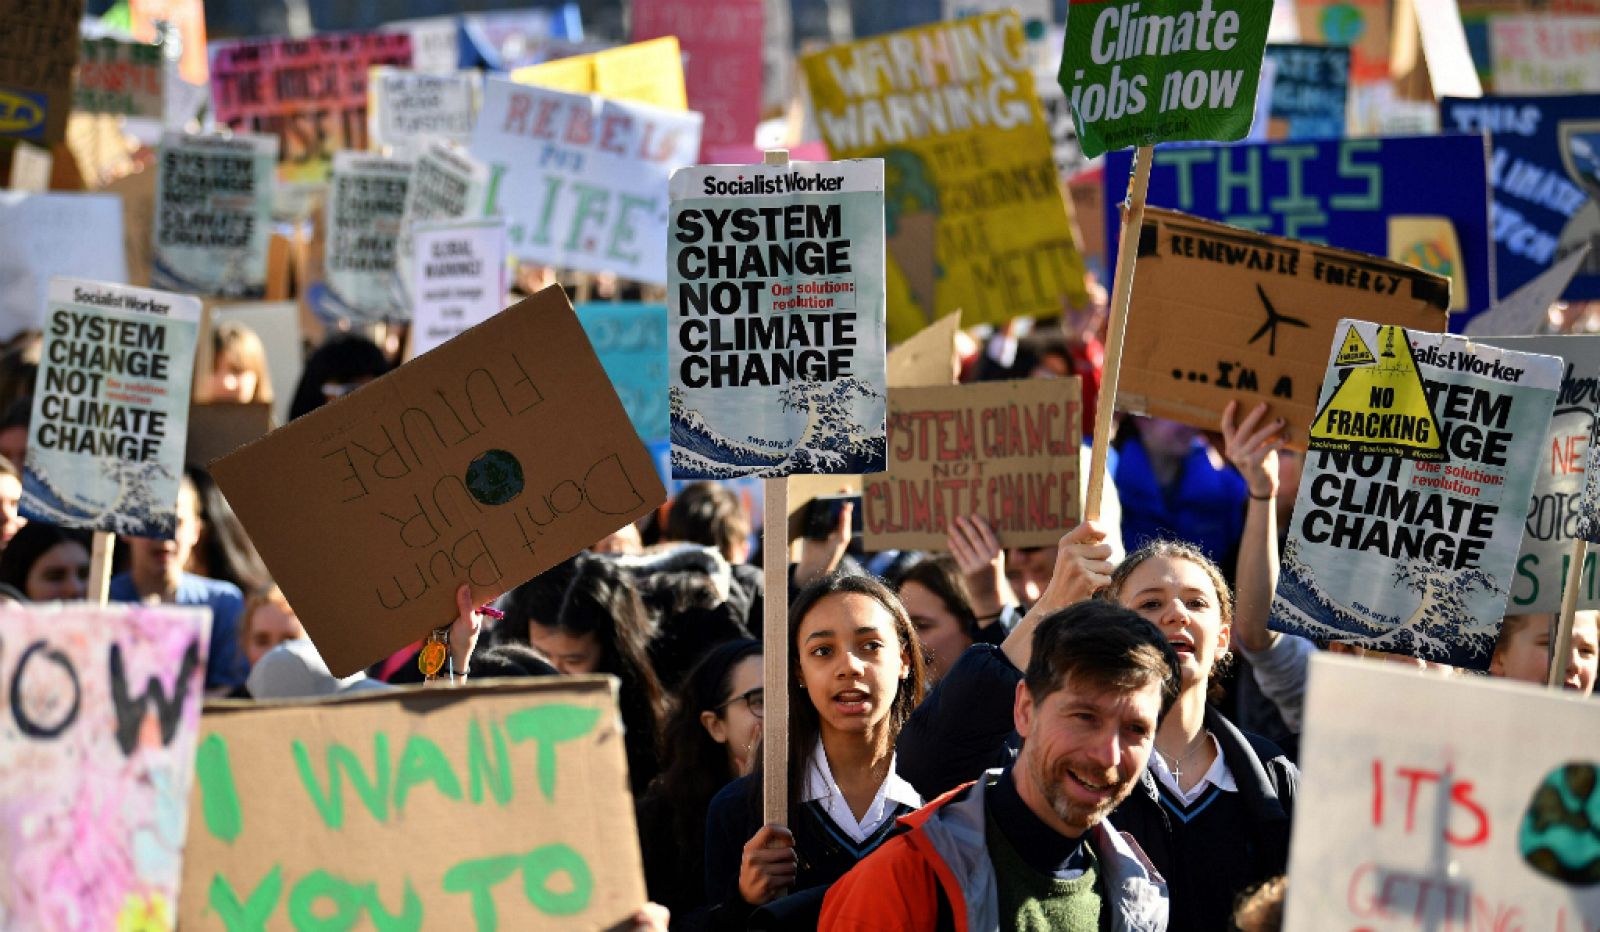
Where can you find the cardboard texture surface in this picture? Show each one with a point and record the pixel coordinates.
(439, 808)
(1222, 314)
(1005, 450)
(218, 428)
(487, 461)
(37, 53)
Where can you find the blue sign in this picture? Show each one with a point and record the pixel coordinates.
(1423, 200)
(1310, 89)
(1545, 169)
(22, 113)
(631, 341)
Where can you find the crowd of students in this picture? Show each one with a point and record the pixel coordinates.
(1057, 737)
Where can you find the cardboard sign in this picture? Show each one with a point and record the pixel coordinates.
(460, 278)
(1424, 821)
(323, 807)
(583, 179)
(1344, 192)
(974, 213)
(45, 235)
(1560, 501)
(37, 55)
(486, 461)
(311, 93)
(1363, 25)
(366, 201)
(631, 341)
(1166, 72)
(1310, 90)
(776, 297)
(110, 408)
(1269, 307)
(1546, 182)
(1538, 53)
(124, 78)
(213, 214)
(96, 756)
(447, 184)
(1005, 450)
(1410, 510)
(721, 43)
(218, 428)
(644, 72)
(406, 108)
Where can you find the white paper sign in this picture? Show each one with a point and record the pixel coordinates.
(405, 108)
(366, 200)
(43, 235)
(460, 278)
(1435, 803)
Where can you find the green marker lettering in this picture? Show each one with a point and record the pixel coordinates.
(219, 799)
(321, 885)
(423, 762)
(478, 876)
(251, 915)
(545, 862)
(549, 725)
(481, 771)
(374, 791)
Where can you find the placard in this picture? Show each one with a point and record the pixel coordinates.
(631, 341)
(1363, 25)
(1410, 509)
(776, 343)
(487, 461)
(315, 811)
(366, 201)
(96, 759)
(213, 213)
(110, 408)
(643, 72)
(583, 179)
(446, 184)
(1310, 90)
(721, 44)
(1546, 176)
(1343, 192)
(124, 78)
(45, 235)
(188, 19)
(1007, 451)
(407, 108)
(974, 214)
(1541, 52)
(1163, 73)
(311, 93)
(1223, 314)
(36, 61)
(460, 278)
(1425, 821)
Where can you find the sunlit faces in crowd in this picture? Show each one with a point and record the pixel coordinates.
(569, 653)
(943, 635)
(267, 622)
(11, 520)
(239, 366)
(736, 722)
(1523, 650)
(1182, 599)
(851, 661)
(60, 574)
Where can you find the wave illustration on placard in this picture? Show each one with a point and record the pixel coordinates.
(834, 439)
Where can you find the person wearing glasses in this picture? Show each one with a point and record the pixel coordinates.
(710, 740)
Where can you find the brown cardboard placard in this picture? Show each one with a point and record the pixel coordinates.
(1005, 450)
(218, 428)
(487, 461)
(1222, 314)
(38, 50)
(402, 802)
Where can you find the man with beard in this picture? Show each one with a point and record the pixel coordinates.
(1029, 847)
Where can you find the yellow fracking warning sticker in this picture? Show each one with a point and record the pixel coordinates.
(1379, 407)
(1354, 352)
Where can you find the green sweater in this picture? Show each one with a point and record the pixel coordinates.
(1034, 902)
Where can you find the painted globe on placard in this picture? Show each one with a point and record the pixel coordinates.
(495, 477)
(1430, 257)
(1343, 24)
(1560, 835)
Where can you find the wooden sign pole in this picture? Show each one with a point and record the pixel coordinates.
(1561, 644)
(105, 544)
(775, 632)
(1121, 294)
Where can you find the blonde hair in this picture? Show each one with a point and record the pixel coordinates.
(232, 337)
(259, 599)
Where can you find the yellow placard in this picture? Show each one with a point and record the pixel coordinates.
(1379, 406)
(1430, 244)
(646, 72)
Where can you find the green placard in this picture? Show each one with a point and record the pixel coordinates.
(1139, 73)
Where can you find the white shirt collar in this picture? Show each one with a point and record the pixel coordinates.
(822, 787)
(1217, 775)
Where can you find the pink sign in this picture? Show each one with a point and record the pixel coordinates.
(721, 43)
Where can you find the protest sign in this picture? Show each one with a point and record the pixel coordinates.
(110, 408)
(721, 43)
(96, 759)
(776, 300)
(1166, 72)
(1363, 25)
(643, 72)
(277, 838)
(1269, 305)
(583, 179)
(1442, 803)
(486, 461)
(124, 78)
(1410, 510)
(435, 42)
(446, 184)
(631, 341)
(1310, 90)
(1343, 192)
(1007, 451)
(1555, 516)
(503, 40)
(44, 235)
(1534, 53)
(37, 55)
(974, 213)
(1546, 151)
(366, 201)
(213, 213)
(311, 93)
(406, 108)
(460, 278)
(217, 428)
(185, 17)
(277, 323)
